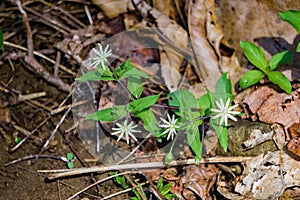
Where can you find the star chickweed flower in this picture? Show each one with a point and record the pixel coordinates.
(101, 56)
(225, 112)
(125, 130)
(170, 126)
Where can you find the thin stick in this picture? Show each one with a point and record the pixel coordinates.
(100, 181)
(40, 55)
(149, 165)
(54, 131)
(31, 96)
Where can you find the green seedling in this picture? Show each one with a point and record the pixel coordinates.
(265, 68)
(165, 189)
(71, 158)
(18, 140)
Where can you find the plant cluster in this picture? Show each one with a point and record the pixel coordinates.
(268, 68)
(163, 189)
(184, 112)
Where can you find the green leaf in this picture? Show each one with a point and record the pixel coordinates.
(70, 165)
(150, 122)
(292, 17)
(255, 55)
(281, 80)
(134, 85)
(204, 104)
(298, 48)
(94, 75)
(193, 137)
(142, 103)
(250, 78)
(169, 157)
(280, 59)
(159, 184)
(127, 70)
(223, 85)
(223, 88)
(1, 38)
(108, 114)
(187, 103)
(18, 140)
(70, 156)
(221, 132)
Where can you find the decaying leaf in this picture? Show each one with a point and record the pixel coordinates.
(113, 8)
(257, 137)
(268, 176)
(200, 179)
(293, 146)
(272, 107)
(205, 56)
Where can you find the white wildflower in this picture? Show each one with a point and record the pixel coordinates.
(225, 112)
(125, 130)
(170, 126)
(100, 56)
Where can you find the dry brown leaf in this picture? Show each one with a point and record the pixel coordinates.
(268, 176)
(113, 8)
(248, 20)
(163, 6)
(205, 55)
(256, 98)
(200, 179)
(280, 108)
(170, 64)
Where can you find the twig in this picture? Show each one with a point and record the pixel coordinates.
(100, 181)
(150, 165)
(55, 130)
(64, 159)
(35, 66)
(40, 55)
(123, 191)
(31, 96)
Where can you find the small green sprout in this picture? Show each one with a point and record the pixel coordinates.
(18, 140)
(71, 158)
(256, 56)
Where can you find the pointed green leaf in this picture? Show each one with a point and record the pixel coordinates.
(193, 137)
(298, 48)
(280, 59)
(204, 104)
(187, 103)
(159, 184)
(94, 75)
(223, 88)
(292, 17)
(223, 84)
(221, 132)
(127, 70)
(142, 103)
(250, 78)
(255, 55)
(134, 85)
(150, 122)
(281, 80)
(108, 114)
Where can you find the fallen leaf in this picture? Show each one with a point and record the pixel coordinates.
(200, 179)
(267, 176)
(206, 60)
